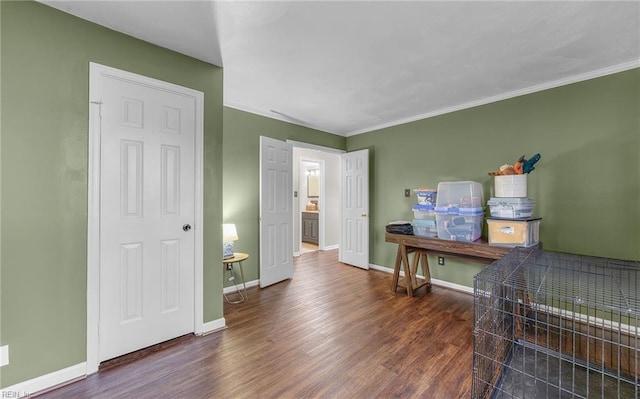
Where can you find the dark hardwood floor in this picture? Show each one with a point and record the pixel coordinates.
(333, 331)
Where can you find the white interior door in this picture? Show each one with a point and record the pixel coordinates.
(147, 193)
(354, 204)
(276, 219)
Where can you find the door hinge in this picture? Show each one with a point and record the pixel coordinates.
(99, 103)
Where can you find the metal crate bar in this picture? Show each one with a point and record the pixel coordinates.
(554, 325)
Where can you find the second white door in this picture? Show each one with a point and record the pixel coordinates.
(276, 218)
(354, 231)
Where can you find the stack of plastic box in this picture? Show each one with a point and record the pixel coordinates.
(459, 212)
(511, 223)
(424, 222)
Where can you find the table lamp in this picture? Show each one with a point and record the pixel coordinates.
(229, 235)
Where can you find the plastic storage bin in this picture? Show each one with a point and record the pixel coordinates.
(466, 225)
(514, 233)
(511, 208)
(459, 212)
(459, 194)
(424, 212)
(426, 196)
(511, 186)
(425, 227)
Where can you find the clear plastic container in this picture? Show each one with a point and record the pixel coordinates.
(459, 194)
(426, 196)
(459, 212)
(425, 227)
(511, 186)
(424, 212)
(461, 226)
(511, 208)
(514, 233)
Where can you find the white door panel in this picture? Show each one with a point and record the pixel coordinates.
(354, 239)
(147, 195)
(276, 219)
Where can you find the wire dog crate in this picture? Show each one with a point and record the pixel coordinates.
(553, 325)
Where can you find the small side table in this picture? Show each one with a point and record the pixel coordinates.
(238, 257)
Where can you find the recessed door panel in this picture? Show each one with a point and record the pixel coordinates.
(131, 278)
(170, 186)
(170, 275)
(131, 179)
(170, 120)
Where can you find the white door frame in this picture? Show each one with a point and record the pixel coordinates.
(96, 72)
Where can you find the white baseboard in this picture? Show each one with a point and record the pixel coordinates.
(382, 268)
(453, 286)
(237, 287)
(326, 248)
(434, 281)
(45, 382)
(214, 325)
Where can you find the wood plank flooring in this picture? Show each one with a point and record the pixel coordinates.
(333, 331)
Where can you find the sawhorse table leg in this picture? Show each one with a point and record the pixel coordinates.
(410, 281)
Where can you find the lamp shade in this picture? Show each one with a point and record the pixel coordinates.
(229, 233)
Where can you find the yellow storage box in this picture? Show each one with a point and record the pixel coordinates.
(514, 233)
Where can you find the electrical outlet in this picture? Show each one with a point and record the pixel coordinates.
(407, 192)
(4, 355)
(440, 260)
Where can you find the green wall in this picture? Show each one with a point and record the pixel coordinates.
(1, 185)
(241, 166)
(45, 87)
(586, 185)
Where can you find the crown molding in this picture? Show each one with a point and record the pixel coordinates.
(505, 96)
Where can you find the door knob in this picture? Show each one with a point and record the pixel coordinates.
(364, 215)
(186, 227)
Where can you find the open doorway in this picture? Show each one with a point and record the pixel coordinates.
(316, 217)
(345, 194)
(309, 198)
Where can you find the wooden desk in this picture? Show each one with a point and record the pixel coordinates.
(477, 251)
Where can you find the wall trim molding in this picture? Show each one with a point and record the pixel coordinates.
(46, 382)
(434, 281)
(315, 147)
(384, 269)
(237, 287)
(214, 326)
(453, 286)
(483, 101)
(505, 96)
(277, 116)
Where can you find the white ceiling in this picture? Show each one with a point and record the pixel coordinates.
(353, 67)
